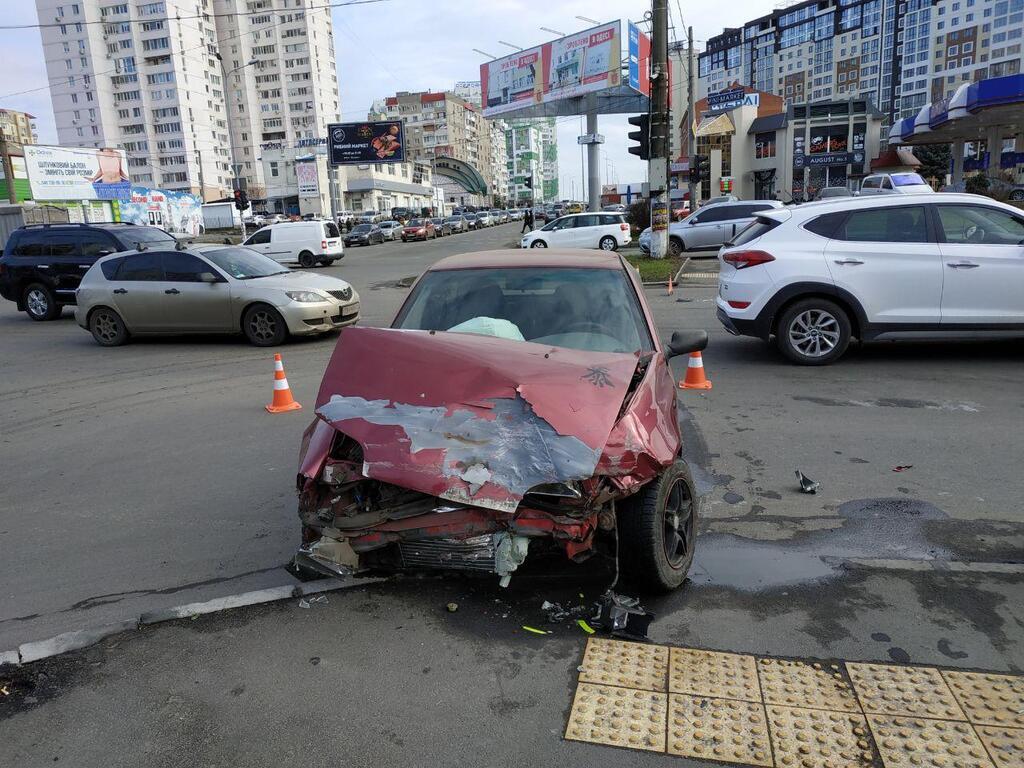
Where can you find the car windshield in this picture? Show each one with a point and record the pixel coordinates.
(415, 223)
(360, 228)
(907, 180)
(471, 216)
(132, 235)
(243, 263)
(588, 309)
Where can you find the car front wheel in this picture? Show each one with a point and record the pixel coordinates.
(813, 332)
(264, 326)
(657, 529)
(107, 327)
(40, 303)
(538, 244)
(675, 247)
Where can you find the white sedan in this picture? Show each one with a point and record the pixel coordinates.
(607, 231)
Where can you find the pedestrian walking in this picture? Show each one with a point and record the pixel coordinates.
(528, 221)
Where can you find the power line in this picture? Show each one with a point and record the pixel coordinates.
(261, 12)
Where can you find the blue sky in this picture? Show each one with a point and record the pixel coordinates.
(408, 45)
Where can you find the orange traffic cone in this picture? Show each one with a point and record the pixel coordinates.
(670, 288)
(283, 400)
(695, 374)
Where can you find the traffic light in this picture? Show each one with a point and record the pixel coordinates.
(695, 163)
(241, 199)
(703, 167)
(528, 181)
(642, 136)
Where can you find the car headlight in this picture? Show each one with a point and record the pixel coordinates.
(305, 297)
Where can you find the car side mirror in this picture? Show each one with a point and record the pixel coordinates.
(685, 342)
(207, 277)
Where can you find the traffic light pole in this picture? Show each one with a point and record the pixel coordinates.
(657, 167)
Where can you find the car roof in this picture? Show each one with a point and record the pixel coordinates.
(833, 204)
(533, 257)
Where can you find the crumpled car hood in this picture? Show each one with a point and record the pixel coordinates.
(474, 419)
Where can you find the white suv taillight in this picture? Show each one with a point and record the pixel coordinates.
(624, 227)
(323, 244)
(744, 259)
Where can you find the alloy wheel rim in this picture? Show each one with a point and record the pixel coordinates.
(36, 301)
(678, 523)
(607, 244)
(263, 326)
(105, 326)
(814, 333)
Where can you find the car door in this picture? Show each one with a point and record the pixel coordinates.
(705, 228)
(64, 257)
(137, 291)
(587, 231)
(982, 251)
(561, 233)
(190, 303)
(259, 241)
(887, 259)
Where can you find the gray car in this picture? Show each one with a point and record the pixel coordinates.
(711, 226)
(209, 289)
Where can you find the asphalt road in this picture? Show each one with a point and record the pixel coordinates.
(150, 475)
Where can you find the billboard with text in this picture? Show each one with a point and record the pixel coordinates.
(363, 143)
(570, 66)
(77, 173)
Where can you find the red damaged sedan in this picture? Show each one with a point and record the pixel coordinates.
(516, 402)
(418, 229)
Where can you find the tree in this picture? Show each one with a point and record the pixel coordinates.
(978, 184)
(640, 215)
(935, 161)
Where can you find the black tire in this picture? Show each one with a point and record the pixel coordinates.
(107, 327)
(1017, 194)
(813, 332)
(307, 260)
(40, 303)
(607, 243)
(656, 550)
(675, 247)
(263, 326)
(538, 244)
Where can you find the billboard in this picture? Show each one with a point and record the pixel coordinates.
(77, 173)
(570, 66)
(732, 98)
(639, 60)
(307, 178)
(363, 143)
(178, 212)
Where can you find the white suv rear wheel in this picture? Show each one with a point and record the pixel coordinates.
(813, 332)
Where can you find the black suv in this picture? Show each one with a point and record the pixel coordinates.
(42, 264)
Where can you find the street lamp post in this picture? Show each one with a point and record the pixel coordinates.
(236, 167)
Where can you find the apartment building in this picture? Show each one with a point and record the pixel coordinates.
(532, 149)
(900, 54)
(189, 88)
(18, 127)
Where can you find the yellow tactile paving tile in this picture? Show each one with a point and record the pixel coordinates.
(630, 665)
(1005, 745)
(885, 689)
(718, 729)
(710, 673)
(605, 714)
(989, 699)
(805, 684)
(811, 738)
(910, 742)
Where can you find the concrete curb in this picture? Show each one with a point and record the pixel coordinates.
(83, 638)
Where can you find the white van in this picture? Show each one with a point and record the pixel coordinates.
(307, 242)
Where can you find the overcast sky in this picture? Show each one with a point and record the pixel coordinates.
(414, 45)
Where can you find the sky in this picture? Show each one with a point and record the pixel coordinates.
(411, 45)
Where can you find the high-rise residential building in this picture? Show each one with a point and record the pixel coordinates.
(18, 127)
(443, 124)
(679, 84)
(532, 149)
(189, 88)
(900, 54)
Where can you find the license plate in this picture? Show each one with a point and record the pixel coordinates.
(350, 310)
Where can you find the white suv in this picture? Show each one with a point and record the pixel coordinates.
(607, 231)
(814, 276)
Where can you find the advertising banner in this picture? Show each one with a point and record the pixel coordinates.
(732, 98)
(364, 143)
(306, 177)
(77, 173)
(177, 212)
(570, 66)
(639, 60)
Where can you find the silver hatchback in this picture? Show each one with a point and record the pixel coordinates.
(209, 289)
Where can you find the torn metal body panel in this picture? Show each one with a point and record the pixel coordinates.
(457, 450)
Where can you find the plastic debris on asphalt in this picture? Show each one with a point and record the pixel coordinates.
(623, 616)
(452, 607)
(902, 467)
(536, 631)
(806, 484)
(585, 627)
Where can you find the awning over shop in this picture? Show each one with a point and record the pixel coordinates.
(715, 125)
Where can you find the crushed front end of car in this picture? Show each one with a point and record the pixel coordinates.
(461, 451)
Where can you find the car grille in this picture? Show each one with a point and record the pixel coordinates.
(473, 554)
(343, 295)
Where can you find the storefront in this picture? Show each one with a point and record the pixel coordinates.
(832, 145)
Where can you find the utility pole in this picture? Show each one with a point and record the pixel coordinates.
(12, 194)
(691, 143)
(202, 180)
(657, 165)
